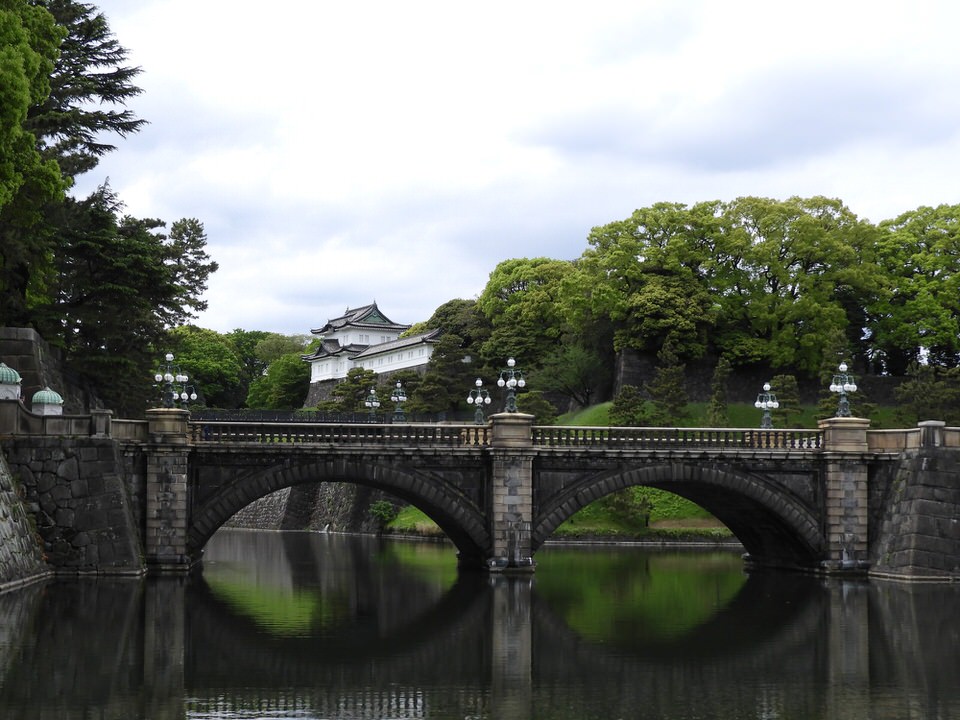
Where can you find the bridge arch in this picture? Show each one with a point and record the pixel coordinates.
(773, 526)
(451, 509)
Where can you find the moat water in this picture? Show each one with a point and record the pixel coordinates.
(311, 626)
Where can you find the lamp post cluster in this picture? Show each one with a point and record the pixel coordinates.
(766, 401)
(372, 403)
(398, 397)
(511, 378)
(843, 384)
(173, 383)
(479, 397)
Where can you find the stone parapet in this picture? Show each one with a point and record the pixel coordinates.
(844, 434)
(513, 430)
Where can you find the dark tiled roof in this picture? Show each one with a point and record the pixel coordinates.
(329, 348)
(368, 316)
(429, 337)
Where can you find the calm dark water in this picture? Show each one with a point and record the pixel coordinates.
(309, 626)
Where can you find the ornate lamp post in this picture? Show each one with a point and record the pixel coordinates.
(511, 378)
(843, 384)
(766, 401)
(372, 403)
(398, 397)
(172, 383)
(479, 397)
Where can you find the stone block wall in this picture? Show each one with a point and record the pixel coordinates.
(919, 531)
(21, 555)
(77, 491)
(320, 506)
(41, 366)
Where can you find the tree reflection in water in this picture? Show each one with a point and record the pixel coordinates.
(311, 626)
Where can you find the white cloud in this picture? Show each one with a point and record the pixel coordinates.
(341, 152)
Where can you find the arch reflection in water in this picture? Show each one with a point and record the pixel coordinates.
(412, 639)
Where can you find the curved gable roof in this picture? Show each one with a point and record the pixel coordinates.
(368, 316)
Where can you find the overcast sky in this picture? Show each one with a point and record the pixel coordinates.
(343, 152)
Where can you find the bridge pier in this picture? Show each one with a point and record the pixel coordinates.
(167, 501)
(846, 498)
(511, 513)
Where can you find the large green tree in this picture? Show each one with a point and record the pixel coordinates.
(284, 386)
(649, 275)
(522, 301)
(119, 284)
(90, 84)
(29, 40)
(919, 252)
(807, 271)
(211, 361)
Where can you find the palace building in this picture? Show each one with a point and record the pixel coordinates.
(364, 338)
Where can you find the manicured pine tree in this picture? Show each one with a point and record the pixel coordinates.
(717, 415)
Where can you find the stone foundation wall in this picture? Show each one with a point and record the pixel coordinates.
(79, 493)
(21, 555)
(41, 366)
(331, 507)
(919, 533)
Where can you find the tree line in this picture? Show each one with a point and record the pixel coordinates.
(99, 284)
(787, 288)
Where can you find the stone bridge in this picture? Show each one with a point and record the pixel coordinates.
(841, 498)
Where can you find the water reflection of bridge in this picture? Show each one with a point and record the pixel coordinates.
(491, 646)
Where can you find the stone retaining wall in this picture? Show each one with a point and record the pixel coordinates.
(919, 534)
(321, 506)
(21, 556)
(77, 491)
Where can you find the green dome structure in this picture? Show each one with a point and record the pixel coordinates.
(47, 402)
(8, 376)
(9, 383)
(47, 397)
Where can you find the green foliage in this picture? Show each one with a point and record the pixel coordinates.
(665, 505)
(534, 403)
(119, 285)
(383, 511)
(630, 408)
(89, 85)
(522, 301)
(447, 380)
(649, 274)
(717, 415)
(244, 344)
(273, 346)
(28, 46)
(593, 416)
(919, 252)
(788, 396)
(573, 370)
(211, 362)
(628, 506)
(668, 389)
(931, 393)
(351, 393)
(28, 182)
(284, 387)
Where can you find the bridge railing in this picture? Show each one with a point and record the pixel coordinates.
(687, 438)
(342, 434)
